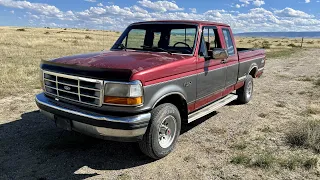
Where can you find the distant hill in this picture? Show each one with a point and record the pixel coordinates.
(280, 34)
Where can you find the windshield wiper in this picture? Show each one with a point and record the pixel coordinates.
(157, 48)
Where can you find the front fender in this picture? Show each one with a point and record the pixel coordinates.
(155, 93)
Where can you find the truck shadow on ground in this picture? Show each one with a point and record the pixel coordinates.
(33, 148)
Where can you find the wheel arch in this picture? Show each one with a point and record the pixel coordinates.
(177, 99)
(253, 70)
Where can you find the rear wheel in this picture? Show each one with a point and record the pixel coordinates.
(245, 92)
(163, 131)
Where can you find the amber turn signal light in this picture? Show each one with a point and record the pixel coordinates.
(123, 100)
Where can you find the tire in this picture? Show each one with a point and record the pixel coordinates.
(245, 92)
(161, 136)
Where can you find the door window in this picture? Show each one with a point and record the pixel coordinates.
(228, 41)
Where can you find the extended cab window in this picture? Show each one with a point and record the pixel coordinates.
(171, 38)
(229, 42)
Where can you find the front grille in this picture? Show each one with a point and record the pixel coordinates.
(79, 89)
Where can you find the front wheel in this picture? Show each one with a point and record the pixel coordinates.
(163, 131)
(245, 92)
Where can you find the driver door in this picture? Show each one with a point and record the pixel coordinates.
(211, 78)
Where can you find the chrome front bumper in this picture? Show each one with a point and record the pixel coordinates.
(127, 128)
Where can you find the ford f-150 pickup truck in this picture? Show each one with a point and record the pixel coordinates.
(157, 76)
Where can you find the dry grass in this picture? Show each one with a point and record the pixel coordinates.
(306, 134)
(22, 49)
(275, 43)
(277, 47)
(270, 161)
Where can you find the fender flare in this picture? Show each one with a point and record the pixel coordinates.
(166, 95)
(253, 66)
(166, 91)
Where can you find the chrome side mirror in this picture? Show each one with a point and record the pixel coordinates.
(219, 53)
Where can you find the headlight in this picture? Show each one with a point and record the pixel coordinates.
(123, 93)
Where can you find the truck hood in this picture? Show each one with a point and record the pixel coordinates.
(125, 60)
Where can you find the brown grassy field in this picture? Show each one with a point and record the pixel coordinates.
(275, 136)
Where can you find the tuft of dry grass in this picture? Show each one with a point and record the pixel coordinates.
(305, 78)
(21, 29)
(317, 82)
(240, 159)
(312, 109)
(263, 161)
(306, 134)
(292, 45)
(239, 146)
(88, 37)
(124, 176)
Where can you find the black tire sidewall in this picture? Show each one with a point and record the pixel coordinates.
(157, 118)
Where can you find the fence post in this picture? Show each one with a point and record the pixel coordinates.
(301, 42)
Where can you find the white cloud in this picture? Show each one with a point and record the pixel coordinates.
(160, 5)
(100, 4)
(90, 0)
(38, 7)
(289, 12)
(307, 1)
(258, 3)
(193, 10)
(245, 1)
(238, 6)
(139, 9)
(12, 12)
(116, 17)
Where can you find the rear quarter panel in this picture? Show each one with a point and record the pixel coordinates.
(249, 60)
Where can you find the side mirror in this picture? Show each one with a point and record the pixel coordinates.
(219, 53)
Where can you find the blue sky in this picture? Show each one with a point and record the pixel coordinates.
(242, 15)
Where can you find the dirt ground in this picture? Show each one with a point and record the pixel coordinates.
(33, 148)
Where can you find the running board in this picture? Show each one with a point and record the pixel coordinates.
(212, 107)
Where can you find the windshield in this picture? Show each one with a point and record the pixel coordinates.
(171, 38)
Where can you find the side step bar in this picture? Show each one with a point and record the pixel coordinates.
(212, 107)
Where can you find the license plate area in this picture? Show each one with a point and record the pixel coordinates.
(63, 123)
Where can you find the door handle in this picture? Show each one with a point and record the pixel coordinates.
(224, 61)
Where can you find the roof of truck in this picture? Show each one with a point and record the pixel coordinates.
(185, 21)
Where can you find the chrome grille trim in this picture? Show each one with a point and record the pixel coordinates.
(95, 89)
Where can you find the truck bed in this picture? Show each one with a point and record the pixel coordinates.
(250, 53)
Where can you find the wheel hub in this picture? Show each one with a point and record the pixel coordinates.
(249, 89)
(167, 131)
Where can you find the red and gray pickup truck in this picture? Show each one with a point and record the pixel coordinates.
(158, 76)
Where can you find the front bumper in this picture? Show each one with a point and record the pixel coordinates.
(118, 128)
